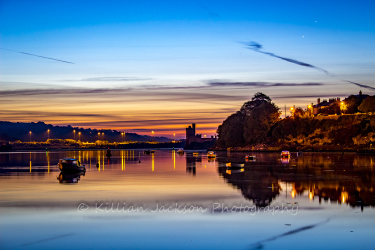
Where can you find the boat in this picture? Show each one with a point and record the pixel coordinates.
(285, 154)
(70, 165)
(147, 152)
(235, 171)
(211, 154)
(180, 151)
(195, 153)
(235, 165)
(250, 157)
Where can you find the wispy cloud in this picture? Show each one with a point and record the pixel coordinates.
(25, 53)
(311, 96)
(113, 79)
(153, 93)
(257, 48)
(262, 84)
(73, 91)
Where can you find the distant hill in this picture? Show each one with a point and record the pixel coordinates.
(13, 131)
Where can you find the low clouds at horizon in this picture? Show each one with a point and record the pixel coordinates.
(163, 65)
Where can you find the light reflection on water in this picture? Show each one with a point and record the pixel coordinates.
(337, 188)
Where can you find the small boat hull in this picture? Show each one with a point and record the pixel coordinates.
(211, 155)
(235, 165)
(285, 154)
(66, 167)
(70, 165)
(180, 151)
(250, 157)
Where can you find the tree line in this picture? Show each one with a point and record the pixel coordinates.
(258, 122)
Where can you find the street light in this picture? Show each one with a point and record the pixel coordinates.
(30, 135)
(343, 107)
(152, 135)
(174, 136)
(79, 135)
(309, 109)
(74, 132)
(48, 133)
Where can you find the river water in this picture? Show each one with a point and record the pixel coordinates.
(169, 201)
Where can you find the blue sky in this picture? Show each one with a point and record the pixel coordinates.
(153, 61)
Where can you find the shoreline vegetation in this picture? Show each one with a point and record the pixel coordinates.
(340, 128)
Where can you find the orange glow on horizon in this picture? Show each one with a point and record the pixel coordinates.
(140, 110)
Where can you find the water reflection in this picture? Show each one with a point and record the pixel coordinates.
(191, 163)
(335, 178)
(258, 184)
(70, 178)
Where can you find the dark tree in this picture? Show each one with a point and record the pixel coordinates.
(352, 103)
(230, 133)
(251, 124)
(261, 114)
(298, 112)
(258, 99)
(368, 105)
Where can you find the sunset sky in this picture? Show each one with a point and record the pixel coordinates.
(138, 66)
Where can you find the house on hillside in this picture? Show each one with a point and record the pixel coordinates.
(317, 108)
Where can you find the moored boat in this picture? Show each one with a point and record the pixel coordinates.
(70, 165)
(285, 154)
(180, 151)
(235, 171)
(235, 165)
(211, 154)
(250, 157)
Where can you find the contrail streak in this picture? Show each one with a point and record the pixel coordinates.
(37, 55)
(257, 48)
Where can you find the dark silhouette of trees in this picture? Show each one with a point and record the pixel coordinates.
(352, 103)
(298, 112)
(251, 124)
(231, 132)
(368, 105)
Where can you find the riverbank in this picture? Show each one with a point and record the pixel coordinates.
(22, 146)
(297, 148)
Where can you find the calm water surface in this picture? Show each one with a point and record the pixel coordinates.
(170, 201)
